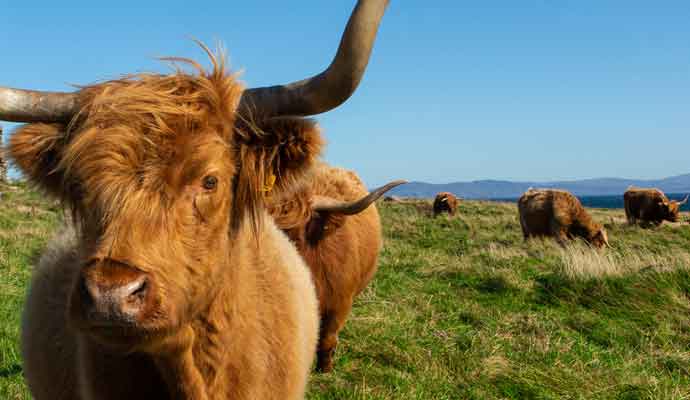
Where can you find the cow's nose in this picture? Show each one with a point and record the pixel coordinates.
(113, 293)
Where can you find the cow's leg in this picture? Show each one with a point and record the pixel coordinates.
(559, 232)
(629, 214)
(331, 323)
(523, 226)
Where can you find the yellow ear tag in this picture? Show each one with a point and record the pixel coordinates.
(268, 185)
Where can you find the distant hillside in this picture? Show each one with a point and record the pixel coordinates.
(493, 189)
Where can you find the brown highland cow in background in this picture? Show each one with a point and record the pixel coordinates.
(650, 206)
(175, 283)
(336, 228)
(559, 214)
(445, 202)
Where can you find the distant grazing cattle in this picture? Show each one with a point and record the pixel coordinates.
(445, 202)
(559, 214)
(650, 206)
(175, 283)
(337, 230)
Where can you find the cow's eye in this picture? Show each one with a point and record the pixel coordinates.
(210, 182)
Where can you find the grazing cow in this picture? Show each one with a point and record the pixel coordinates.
(174, 282)
(650, 206)
(445, 202)
(557, 213)
(338, 234)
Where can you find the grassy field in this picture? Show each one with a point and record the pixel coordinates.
(462, 308)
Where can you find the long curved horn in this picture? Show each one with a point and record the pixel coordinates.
(684, 201)
(357, 206)
(310, 96)
(330, 88)
(19, 105)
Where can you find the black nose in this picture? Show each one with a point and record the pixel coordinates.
(113, 293)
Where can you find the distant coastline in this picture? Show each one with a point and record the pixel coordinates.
(610, 201)
(599, 192)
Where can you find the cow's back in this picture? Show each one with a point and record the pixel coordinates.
(536, 213)
(544, 212)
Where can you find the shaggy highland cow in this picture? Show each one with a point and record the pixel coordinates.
(337, 230)
(175, 282)
(559, 214)
(650, 206)
(445, 202)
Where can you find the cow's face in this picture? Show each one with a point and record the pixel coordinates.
(160, 180)
(600, 238)
(154, 229)
(672, 210)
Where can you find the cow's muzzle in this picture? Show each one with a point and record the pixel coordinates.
(111, 293)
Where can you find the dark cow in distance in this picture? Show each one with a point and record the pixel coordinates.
(558, 214)
(445, 202)
(173, 282)
(337, 230)
(650, 205)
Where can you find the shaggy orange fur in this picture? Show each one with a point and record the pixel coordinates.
(165, 187)
(445, 202)
(557, 213)
(340, 250)
(650, 205)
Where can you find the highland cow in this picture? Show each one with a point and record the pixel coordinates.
(445, 202)
(650, 206)
(559, 214)
(174, 282)
(338, 233)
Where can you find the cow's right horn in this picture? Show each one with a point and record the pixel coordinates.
(357, 206)
(684, 200)
(20, 105)
(330, 88)
(315, 95)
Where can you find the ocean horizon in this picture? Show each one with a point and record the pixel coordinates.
(610, 201)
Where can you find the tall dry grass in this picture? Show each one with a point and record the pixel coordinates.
(579, 261)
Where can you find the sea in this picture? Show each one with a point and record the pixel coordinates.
(614, 201)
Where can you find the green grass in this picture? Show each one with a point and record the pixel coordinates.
(463, 308)
(26, 222)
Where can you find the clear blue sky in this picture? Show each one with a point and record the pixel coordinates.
(455, 90)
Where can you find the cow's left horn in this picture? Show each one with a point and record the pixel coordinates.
(684, 200)
(330, 88)
(20, 105)
(357, 206)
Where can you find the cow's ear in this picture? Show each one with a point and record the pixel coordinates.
(275, 153)
(322, 224)
(36, 150)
